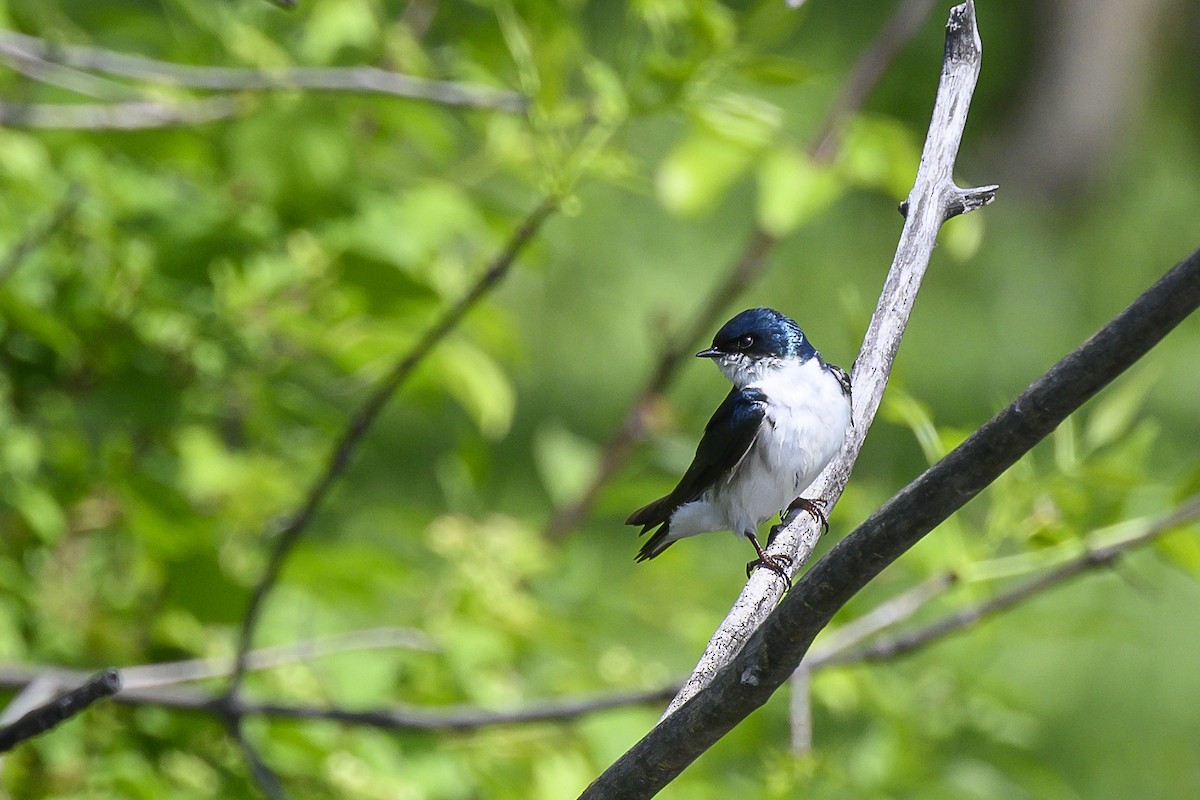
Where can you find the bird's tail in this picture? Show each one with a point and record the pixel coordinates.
(660, 541)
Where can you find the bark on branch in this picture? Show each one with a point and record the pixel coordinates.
(778, 645)
(934, 199)
(59, 710)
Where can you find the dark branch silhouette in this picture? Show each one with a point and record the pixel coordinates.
(59, 710)
(778, 645)
(840, 649)
(339, 459)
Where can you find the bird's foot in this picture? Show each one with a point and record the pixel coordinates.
(815, 507)
(777, 564)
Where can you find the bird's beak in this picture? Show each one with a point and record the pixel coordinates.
(711, 352)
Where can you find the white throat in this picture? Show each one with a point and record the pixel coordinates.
(743, 371)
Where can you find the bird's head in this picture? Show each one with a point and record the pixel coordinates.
(755, 342)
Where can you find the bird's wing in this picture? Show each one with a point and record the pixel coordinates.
(843, 377)
(727, 438)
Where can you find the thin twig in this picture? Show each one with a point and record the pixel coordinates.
(870, 68)
(128, 116)
(41, 233)
(364, 418)
(399, 718)
(901, 644)
(742, 274)
(59, 710)
(264, 777)
(341, 455)
(145, 676)
(838, 640)
(834, 643)
(466, 719)
(933, 199)
(778, 645)
(366, 80)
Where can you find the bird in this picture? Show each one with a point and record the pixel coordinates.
(783, 421)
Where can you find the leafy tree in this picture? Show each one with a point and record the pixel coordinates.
(206, 275)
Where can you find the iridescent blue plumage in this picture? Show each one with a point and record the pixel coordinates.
(782, 422)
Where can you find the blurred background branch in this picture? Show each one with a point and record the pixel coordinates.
(71, 66)
(638, 422)
(182, 348)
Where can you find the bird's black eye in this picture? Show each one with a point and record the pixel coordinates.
(745, 342)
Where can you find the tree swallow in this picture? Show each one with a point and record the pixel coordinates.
(782, 422)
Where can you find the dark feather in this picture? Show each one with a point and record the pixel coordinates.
(842, 376)
(727, 438)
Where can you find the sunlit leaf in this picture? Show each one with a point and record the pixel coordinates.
(792, 189)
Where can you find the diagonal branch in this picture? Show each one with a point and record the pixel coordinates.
(59, 710)
(900, 644)
(364, 418)
(778, 645)
(336, 466)
(934, 199)
(834, 650)
(363, 80)
(746, 269)
(197, 669)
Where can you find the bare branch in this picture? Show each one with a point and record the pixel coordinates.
(128, 116)
(932, 196)
(339, 461)
(900, 608)
(901, 644)
(43, 718)
(838, 640)
(746, 269)
(778, 645)
(364, 80)
(364, 418)
(870, 68)
(45, 680)
(459, 719)
(149, 675)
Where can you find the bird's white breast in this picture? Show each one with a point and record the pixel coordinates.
(807, 416)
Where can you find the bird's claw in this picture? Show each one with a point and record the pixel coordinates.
(776, 564)
(815, 507)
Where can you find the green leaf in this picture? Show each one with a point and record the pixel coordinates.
(880, 153)
(40, 510)
(695, 175)
(962, 236)
(792, 189)
(1181, 549)
(480, 386)
(566, 462)
(1116, 410)
(774, 70)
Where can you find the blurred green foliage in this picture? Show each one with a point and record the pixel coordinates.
(177, 356)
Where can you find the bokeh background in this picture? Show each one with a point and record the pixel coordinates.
(211, 301)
